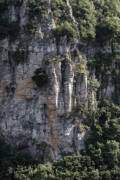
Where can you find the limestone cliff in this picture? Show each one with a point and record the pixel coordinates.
(40, 118)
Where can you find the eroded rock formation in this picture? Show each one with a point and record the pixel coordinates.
(41, 120)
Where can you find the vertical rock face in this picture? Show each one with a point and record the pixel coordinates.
(33, 118)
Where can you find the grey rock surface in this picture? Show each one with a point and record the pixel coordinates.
(31, 118)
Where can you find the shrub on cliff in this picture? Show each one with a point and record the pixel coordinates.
(36, 8)
(108, 29)
(60, 11)
(65, 29)
(40, 77)
(84, 13)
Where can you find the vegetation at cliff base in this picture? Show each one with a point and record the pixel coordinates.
(100, 160)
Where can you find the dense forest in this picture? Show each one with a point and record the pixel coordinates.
(98, 23)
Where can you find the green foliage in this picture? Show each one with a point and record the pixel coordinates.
(84, 13)
(108, 18)
(19, 56)
(100, 160)
(31, 28)
(60, 11)
(65, 29)
(108, 29)
(97, 19)
(38, 172)
(94, 84)
(107, 7)
(66, 116)
(10, 159)
(81, 68)
(40, 77)
(36, 8)
(107, 67)
(53, 59)
(82, 110)
(8, 29)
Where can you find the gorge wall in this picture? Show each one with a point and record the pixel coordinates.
(44, 116)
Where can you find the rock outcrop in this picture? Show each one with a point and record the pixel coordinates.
(41, 120)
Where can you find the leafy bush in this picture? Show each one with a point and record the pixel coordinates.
(60, 11)
(10, 159)
(97, 18)
(36, 8)
(81, 68)
(108, 29)
(19, 56)
(65, 29)
(107, 7)
(40, 77)
(84, 13)
(94, 84)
